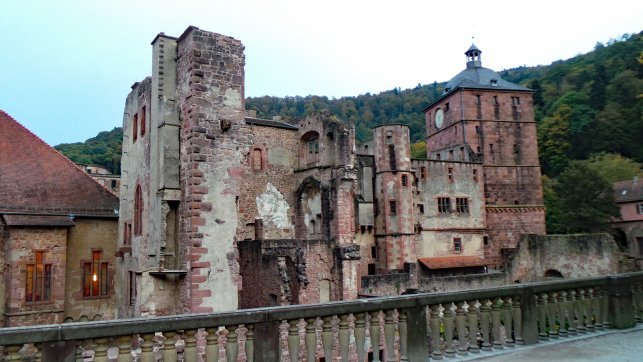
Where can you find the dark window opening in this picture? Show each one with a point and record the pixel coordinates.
(475, 175)
(135, 127)
(450, 172)
(374, 252)
(462, 205)
(143, 122)
(485, 240)
(132, 288)
(457, 245)
(391, 156)
(38, 283)
(138, 211)
(446, 106)
(392, 208)
(444, 205)
(404, 180)
(491, 147)
(371, 269)
(421, 207)
(422, 173)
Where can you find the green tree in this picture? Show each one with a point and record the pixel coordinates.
(553, 139)
(614, 167)
(418, 149)
(583, 201)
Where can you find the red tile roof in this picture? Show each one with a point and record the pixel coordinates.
(445, 262)
(36, 177)
(629, 190)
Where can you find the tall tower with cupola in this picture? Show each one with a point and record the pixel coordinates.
(486, 119)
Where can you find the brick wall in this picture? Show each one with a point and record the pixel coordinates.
(506, 225)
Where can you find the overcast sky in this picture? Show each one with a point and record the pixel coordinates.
(66, 66)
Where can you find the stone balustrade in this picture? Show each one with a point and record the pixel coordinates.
(389, 328)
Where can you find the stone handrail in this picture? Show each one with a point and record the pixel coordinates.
(459, 322)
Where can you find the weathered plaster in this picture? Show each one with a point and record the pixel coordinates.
(273, 207)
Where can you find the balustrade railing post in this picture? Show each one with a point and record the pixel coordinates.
(495, 321)
(561, 303)
(250, 342)
(266, 341)
(147, 347)
(375, 334)
(507, 310)
(517, 318)
(529, 315)
(553, 314)
(485, 319)
(571, 312)
(190, 350)
(79, 351)
(403, 328)
(389, 334)
(580, 311)
(449, 321)
(293, 340)
(212, 345)
(232, 344)
(436, 341)
(638, 302)
(598, 307)
(472, 317)
(541, 302)
(124, 349)
(418, 348)
(589, 309)
(327, 337)
(461, 325)
(344, 336)
(100, 349)
(620, 303)
(169, 347)
(311, 339)
(13, 353)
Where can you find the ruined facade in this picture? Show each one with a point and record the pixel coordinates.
(57, 235)
(629, 198)
(220, 209)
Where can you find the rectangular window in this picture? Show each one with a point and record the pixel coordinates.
(392, 208)
(132, 288)
(446, 106)
(371, 269)
(391, 157)
(450, 173)
(143, 122)
(38, 283)
(477, 99)
(462, 205)
(444, 205)
(135, 127)
(404, 180)
(475, 175)
(95, 276)
(423, 173)
(457, 245)
(639, 209)
(421, 208)
(491, 147)
(374, 252)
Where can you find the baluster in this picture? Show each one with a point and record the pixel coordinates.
(605, 309)
(327, 337)
(517, 317)
(472, 316)
(13, 353)
(638, 300)
(580, 311)
(552, 310)
(571, 312)
(211, 345)
(190, 351)
(360, 336)
(169, 347)
(293, 340)
(79, 351)
(561, 303)
(344, 336)
(311, 339)
(461, 325)
(507, 309)
(495, 320)
(250, 342)
(589, 309)
(598, 307)
(147, 347)
(124, 348)
(37, 357)
(375, 335)
(403, 327)
(485, 318)
(100, 349)
(449, 322)
(435, 332)
(541, 305)
(389, 334)
(232, 344)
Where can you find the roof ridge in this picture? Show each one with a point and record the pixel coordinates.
(78, 168)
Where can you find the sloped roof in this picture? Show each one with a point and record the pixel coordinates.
(480, 78)
(37, 178)
(629, 190)
(270, 123)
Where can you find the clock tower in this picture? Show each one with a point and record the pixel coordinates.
(487, 120)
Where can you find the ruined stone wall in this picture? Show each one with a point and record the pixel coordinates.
(86, 236)
(462, 282)
(573, 256)
(21, 244)
(269, 186)
(506, 225)
(385, 284)
(4, 243)
(283, 272)
(215, 142)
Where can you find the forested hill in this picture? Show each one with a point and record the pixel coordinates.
(103, 150)
(584, 105)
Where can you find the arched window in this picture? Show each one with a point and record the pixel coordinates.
(138, 211)
(310, 146)
(257, 160)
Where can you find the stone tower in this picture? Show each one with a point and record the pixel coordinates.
(394, 221)
(483, 118)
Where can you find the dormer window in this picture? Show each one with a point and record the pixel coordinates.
(494, 82)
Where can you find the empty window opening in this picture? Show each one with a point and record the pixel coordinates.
(477, 129)
(446, 106)
(462, 205)
(138, 211)
(477, 98)
(391, 155)
(450, 172)
(495, 100)
(404, 180)
(143, 121)
(389, 137)
(437, 156)
(135, 127)
(450, 154)
(516, 148)
(639, 209)
(485, 240)
(392, 208)
(374, 252)
(421, 208)
(444, 205)
(257, 159)
(475, 175)
(132, 288)
(371, 269)
(38, 283)
(491, 147)
(422, 173)
(95, 274)
(457, 245)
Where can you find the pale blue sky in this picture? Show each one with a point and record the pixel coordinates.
(66, 66)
